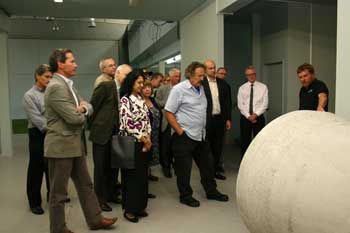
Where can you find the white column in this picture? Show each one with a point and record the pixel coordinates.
(342, 97)
(257, 44)
(220, 47)
(5, 116)
(161, 67)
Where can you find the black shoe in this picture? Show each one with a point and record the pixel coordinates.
(167, 172)
(133, 218)
(190, 201)
(151, 196)
(37, 210)
(142, 214)
(115, 200)
(67, 200)
(220, 176)
(105, 207)
(217, 196)
(153, 178)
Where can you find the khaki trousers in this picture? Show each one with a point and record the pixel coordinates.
(60, 170)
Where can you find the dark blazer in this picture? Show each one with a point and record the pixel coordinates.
(224, 98)
(105, 119)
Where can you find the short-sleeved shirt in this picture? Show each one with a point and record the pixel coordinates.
(308, 97)
(189, 105)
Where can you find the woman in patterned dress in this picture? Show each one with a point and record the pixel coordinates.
(155, 118)
(135, 121)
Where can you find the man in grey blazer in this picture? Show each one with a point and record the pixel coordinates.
(65, 145)
(166, 158)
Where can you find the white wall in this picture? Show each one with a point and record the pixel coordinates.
(5, 118)
(324, 46)
(299, 26)
(26, 54)
(146, 36)
(302, 33)
(162, 54)
(238, 39)
(202, 36)
(343, 50)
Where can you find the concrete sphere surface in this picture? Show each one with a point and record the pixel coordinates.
(295, 176)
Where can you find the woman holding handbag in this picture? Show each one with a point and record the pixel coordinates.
(134, 121)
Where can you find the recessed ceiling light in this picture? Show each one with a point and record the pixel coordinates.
(58, 1)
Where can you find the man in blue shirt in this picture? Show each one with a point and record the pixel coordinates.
(186, 110)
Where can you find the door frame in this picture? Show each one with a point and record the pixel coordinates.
(266, 80)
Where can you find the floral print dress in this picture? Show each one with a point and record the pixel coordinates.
(134, 117)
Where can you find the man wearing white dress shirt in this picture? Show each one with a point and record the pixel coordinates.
(253, 102)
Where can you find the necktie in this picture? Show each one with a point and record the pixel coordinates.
(251, 100)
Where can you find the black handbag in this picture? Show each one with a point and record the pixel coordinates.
(123, 152)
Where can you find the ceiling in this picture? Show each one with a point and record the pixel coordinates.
(171, 10)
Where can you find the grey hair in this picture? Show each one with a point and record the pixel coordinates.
(101, 65)
(173, 71)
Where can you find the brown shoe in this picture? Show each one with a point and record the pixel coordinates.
(68, 231)
(104, 223)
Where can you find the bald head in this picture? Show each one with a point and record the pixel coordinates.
(210, 68)
(122, 71)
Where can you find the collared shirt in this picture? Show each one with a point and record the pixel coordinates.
(260, 98)
(189, 105)
(70, 84)
(213, 85)
(33, 103)
(134, 117)
(308, 97)
(118, 88)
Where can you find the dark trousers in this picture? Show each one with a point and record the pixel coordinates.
(249, 130)
(37, 167)
(60, 170)
(215, 135)
(166, 155)
(185, 150)
(135, 183)
(105, 177)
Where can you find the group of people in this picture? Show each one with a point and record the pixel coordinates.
(173, 123)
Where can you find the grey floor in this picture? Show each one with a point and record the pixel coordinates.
(167, 215)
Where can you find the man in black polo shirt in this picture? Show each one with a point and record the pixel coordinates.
(314, 93)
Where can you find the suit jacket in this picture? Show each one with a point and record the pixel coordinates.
(161, 98)
(102, 78)
(105, 119)
(65, 136)
(224, 98)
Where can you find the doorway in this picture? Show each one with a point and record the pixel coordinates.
(274, 78)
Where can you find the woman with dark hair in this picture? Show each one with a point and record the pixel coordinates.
(134, 121)
(155, 118)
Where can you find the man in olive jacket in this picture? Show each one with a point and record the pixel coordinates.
(102, 124)
(65, 145)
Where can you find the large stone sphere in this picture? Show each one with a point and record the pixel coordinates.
(295, 176)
